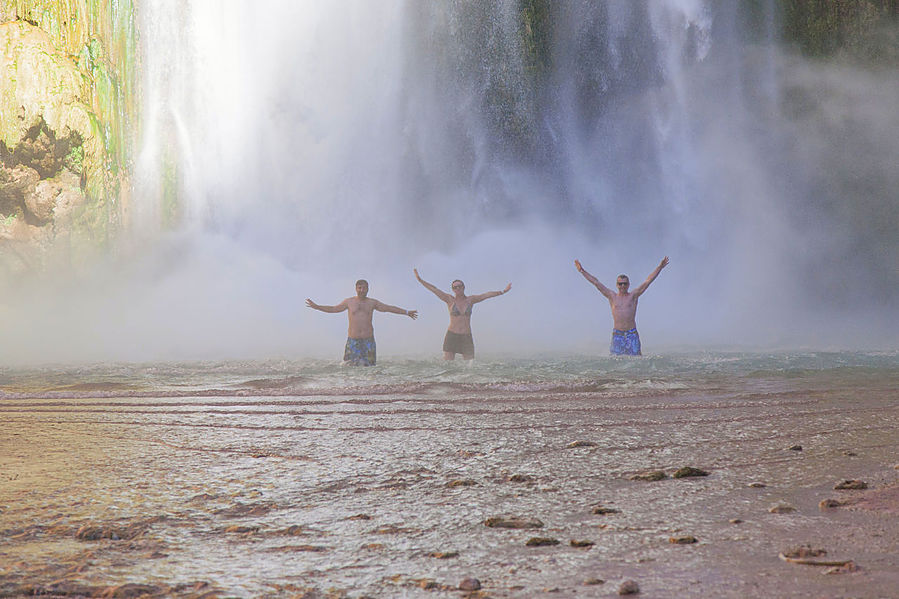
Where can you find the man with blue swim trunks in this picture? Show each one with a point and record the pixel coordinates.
(360, 349)
(625, 339)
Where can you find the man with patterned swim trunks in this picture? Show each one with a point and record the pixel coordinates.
(360, 352)
(625, 339)
(360, 347)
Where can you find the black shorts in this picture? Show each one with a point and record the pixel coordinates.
(455, 343)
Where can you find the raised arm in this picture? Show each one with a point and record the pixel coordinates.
(602, 288)
(652, 277)
(382, 307)
(482, 296)
(330, 309)
(446, 297)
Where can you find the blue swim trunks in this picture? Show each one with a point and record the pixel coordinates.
(360, 352)
(625, 343)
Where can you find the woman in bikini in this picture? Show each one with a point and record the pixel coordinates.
(458, 336)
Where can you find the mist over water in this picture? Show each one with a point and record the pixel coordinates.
(290, 149)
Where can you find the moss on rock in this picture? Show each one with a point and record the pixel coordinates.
(67, 110)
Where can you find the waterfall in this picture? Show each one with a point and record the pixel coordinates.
(431, 121)
(500, 139)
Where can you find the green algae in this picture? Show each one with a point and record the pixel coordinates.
(91, 63)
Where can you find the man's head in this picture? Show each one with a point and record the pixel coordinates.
(361, 288)
(622, 283)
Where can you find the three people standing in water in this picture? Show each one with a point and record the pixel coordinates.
(458, 339)
(360, 345)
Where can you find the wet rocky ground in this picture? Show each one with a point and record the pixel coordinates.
(777, 491)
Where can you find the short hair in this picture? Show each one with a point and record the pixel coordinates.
(622, 277)
(362, 282)
(457, 281)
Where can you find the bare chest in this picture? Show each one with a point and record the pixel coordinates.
(360, 308)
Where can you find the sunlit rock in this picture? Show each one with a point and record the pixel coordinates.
(852, 485)
(512, 522)
(688, 472)
(628, 587)
(682, 540)
(541, 542)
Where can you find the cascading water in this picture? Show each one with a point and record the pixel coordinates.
(289, 148)
(431, 122)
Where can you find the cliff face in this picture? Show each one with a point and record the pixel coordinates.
(67, 120)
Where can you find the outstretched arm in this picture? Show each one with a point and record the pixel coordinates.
(441, 294)
(602, 288)
(382, 307)
(652, 277)
(482, 296)
(330, 309)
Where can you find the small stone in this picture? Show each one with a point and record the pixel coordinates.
(688, 472)
(650, 475)
(846, 568)
(852, 485)
(470, 584)
(684, 540)
(242, 529)
(360, 517)
(520, 478)
(781, 508)
(583, 543)
(443, 554)
(629, 587)
(602, 511)
(428, 585)
(294, 530)
(850, 453)
(469, 453)
(463, 482)
(541, 542)
(829, 503)
(735, 521)
(594, 581)
(512, 522)
(757, 485)
(795, 448)
(574, 444)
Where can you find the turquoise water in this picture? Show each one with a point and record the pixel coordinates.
(657, 373)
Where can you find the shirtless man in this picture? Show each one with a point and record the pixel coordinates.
(625, 339)
(360, 344)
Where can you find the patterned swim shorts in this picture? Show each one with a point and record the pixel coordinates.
(625, 343)
(360, 352)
